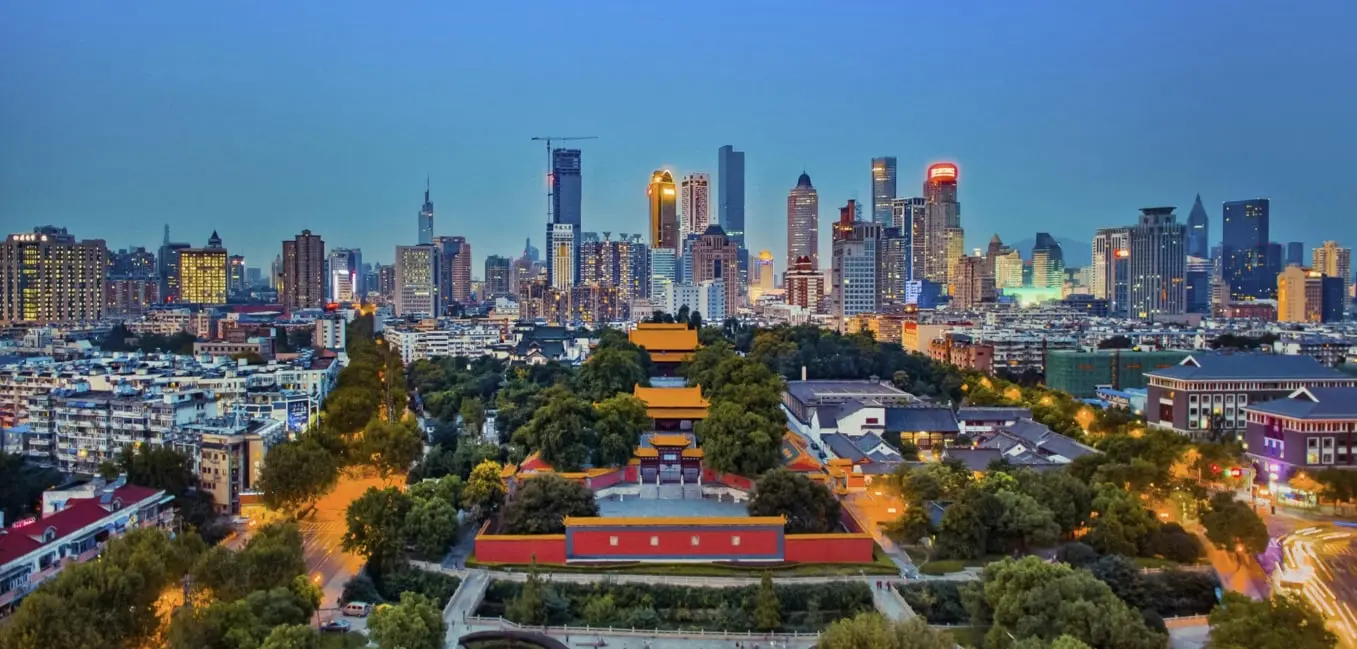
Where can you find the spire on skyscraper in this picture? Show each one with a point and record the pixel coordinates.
(1198, 231)
(167, 234)
(214, 241)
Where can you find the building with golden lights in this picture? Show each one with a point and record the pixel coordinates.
(46, 276)
(203, 273)
(664, 225)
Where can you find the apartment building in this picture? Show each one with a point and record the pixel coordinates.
(449, 339)
(231, 452)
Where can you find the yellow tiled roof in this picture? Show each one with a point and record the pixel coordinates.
(647, 452)
(664, 337)
(692, 452)
(660, 439)
(684, 397)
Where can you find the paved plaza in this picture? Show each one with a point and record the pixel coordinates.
(635, 507)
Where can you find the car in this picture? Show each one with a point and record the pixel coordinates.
(335, 626)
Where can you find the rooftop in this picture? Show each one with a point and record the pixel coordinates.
(992, 414)
(1313, 403)
(806, 391)
(659, 338)
(79, 513)
(631, 507)
(1247, 366)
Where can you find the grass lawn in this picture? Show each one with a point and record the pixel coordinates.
(880, 565)
(942, 567)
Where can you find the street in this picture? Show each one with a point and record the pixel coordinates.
(322, 531)
(1320, 562)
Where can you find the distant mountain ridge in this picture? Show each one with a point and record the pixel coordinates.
(1077, 253)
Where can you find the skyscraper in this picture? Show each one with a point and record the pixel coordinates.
(892, 273)
(1300, 295)
(345, 267)
(426, 218)
(417, 281)
(303, 272)
(46, 276)
(236, 280)
(497, 274)
(853, 267)
(1334, 261)
(717, 258)
(454, 270)
(169, 267)
(694, 200)
(567, 195)
(1048, 262)
(803, 223)
(203, 273)
(730, 192)
(1111, 255)
(804, 285)
(1198, 231)
(907, 214)
(664, 230)
(942, 221)
(561, 252)
(883, 190)
(764, 278)
(1244, 244)
(1157, 265)
(972, 284)
(1295, 253)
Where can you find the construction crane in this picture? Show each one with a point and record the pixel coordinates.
(557, 138)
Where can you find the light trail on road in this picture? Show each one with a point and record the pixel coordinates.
(1320, 564)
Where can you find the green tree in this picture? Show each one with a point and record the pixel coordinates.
(471, 454)
(1025, 522)
(1122, 526)
(392, 446)
(1282, 622)
(375, 524)
(348, 409)
(414, 623)
(158, 467)
(737, 440)
(273, 558)
(619, 421)
(296, 473)
(1069, 499)
(1029, 598)
(600, 611)
(809, 506)
(1233, 525)
(473, 415)
(874, 631)
(767, 606)
(21, 486)
(293, 636)
(431, 525)
(529, 608)
(561, 430)
(909, 451)
(609, 371)
(484, 491)
(541, 504)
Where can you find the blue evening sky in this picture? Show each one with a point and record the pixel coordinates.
(260, 118)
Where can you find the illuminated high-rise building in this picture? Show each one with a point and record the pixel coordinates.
(1048, 262)
(803, 223)
(169, 267)
(454, 270)
(203, 273)
(236, 275)
(561, 252)
(46, 276)
(764, 279)
(883, 190)
(416, 290)
(854, 265)
(1335, 261)
(943, 236)
(426, 217)
(1244, 250)
(1309, 295)
(694, 203)
(907, 214)
(345, 267)
(1157, 265)
(302, 276)
(1111, 254)
(664, 229)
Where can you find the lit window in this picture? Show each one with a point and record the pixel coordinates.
(612, 540)
(735, 540)
(654, 541)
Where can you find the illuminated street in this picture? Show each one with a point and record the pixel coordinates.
(1320, 562)
(322, 531)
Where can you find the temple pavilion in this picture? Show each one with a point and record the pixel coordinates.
(667, 344)
(670, 409)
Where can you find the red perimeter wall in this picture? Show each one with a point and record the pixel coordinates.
(714, 543)
(499, 548)
(829, 548)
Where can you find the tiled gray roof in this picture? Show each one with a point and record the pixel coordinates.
(975, 459)
(1038, 437)
(1215, 366)
(867, 442)
(921, 420)
(1313, 403)
(842, 446)
(806, 391)
(992, 414)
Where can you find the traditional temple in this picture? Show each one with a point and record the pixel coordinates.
(667, 344)
(673, 408)
(669, 458)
